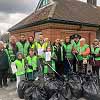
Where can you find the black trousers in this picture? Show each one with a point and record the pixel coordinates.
(3, 77)
(74, 64)
(59, 68)
(68, 64)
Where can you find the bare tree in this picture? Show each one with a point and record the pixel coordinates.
(5, 37)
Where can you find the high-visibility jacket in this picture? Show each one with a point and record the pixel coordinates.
(20, 65)
(23, 48)
(57, 53)
(32, 61)
(6, 50)
(11, 54)
(75, 45)
(43, 46)
(68, 49)
(33, 45)
(85, 50)
(47, 68)
(96, 51)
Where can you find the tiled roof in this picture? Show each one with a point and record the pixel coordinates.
(68, 10)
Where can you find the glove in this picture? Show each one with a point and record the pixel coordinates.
(30, 66)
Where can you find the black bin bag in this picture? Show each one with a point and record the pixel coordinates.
(37, 88)
(75, 85)
(51, 86)
(66, 91)
(91, 91)
(28, 93)
(38, 94)
(22, 86)
(57, 96)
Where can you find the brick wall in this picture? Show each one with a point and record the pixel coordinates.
(53, 34)
(27, 34)
(54, 31)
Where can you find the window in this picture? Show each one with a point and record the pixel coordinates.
(43, 3)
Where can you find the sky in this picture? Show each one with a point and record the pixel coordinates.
(13, 11)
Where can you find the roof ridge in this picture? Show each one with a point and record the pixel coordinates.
(51, 13)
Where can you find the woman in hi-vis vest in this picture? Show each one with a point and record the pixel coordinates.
(83, 55)
(95, 57)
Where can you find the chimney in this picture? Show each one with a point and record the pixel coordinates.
(92, 2)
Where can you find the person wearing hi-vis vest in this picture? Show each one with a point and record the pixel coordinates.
(75, 41)
(49, 62)
(41, 46)
(32, 42)
(83, 52)
(95, 57)
(68, 62)
(12, 51)
(60, 54)
(32, 68)
(20, 68)
(23, 45)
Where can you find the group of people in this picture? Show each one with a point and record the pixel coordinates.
(30, 56)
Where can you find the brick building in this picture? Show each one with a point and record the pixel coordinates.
(61, 18)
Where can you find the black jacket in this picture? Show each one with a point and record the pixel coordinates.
(58, 52)
(4, 62)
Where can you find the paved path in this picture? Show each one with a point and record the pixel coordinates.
(9, 93)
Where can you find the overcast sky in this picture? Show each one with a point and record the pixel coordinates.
(13, 11)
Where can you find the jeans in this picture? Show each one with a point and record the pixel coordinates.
(32, 75)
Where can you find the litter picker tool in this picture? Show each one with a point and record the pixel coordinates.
(53, 69)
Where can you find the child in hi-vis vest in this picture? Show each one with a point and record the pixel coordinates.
(49, 60)
(20, 66)
(32, 61)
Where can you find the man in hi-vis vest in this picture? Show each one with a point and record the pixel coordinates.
(23, 45)
(75, 41)
(41, 46)
(12, 51)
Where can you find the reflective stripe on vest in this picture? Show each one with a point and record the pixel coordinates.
(20, 67)
(43, 46)
(54, 47)
(11, 53)
(23, 50)
(75, 45)
(68, 49)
